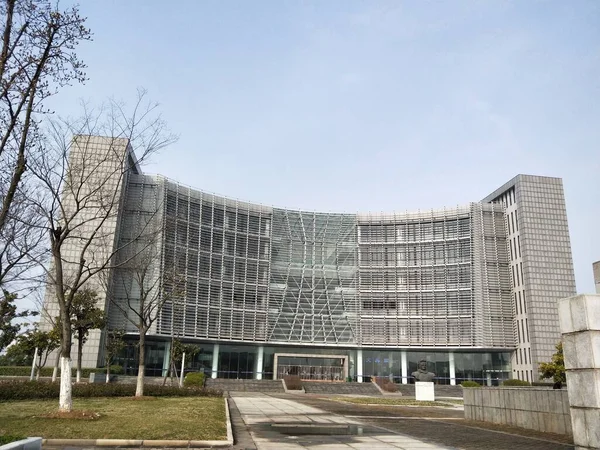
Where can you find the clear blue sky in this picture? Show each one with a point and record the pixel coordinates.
(336, 105)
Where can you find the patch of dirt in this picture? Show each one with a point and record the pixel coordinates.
(75, 414)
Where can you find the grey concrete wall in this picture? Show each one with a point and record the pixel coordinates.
(580, 326)
(538, 409)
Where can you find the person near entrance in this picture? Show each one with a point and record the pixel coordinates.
(421, 374)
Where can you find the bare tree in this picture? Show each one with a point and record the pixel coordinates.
(37, 58)
(81, 179)
(22, 244)
(141, 290)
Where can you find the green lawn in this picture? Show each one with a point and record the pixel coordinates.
(186, 418)
(390, 401)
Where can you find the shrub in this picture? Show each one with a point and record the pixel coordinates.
(25, 390)
(293, 382)
(468, 384)
(194, 379)
(515, 382)
(114, 369)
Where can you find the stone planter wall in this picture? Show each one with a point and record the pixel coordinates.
(538, 409)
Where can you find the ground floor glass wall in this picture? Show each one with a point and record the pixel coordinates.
(251, 362)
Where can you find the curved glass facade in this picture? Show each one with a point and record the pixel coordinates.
(268, 275)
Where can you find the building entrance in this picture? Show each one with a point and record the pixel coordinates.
(311, 367)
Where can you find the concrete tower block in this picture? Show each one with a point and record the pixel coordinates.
(580, 328)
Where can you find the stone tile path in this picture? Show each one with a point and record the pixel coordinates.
(285, 424)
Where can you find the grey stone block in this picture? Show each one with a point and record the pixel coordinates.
(570, 351)
(592, 422)
(579, 427)
(584, 388)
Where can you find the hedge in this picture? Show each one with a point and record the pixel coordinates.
(26, 390)
(25, 371)
(19, 371)
(468, 384)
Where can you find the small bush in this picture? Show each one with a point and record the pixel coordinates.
(516, 383)
(293, 382)
(25, 390)
(114, 370)
(194, 379)
(468, 384)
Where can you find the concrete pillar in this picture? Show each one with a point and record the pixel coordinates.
(259, 362)
(359, 366)
(452, 369)
(404, 362)
(215, 361)
(580, 327)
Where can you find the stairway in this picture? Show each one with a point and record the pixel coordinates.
(225, 384)
(333, 388)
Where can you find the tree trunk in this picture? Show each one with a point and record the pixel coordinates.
(108, 373)
(65, 401)
(79, 353)
(139, 391)
(56, 363)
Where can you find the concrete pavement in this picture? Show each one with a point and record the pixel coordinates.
(289, 422)
(284, 424)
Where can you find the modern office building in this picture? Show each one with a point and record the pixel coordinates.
(266, 291)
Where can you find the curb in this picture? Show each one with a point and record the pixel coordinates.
(146, 442)
(228, 423)
(133, 443)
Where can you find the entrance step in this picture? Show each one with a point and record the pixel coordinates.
(225, 384)
(333, 388)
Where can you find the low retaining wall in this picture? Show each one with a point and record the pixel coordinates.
(538, 409)
(34, 443)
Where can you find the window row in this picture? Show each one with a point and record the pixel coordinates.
(217, 216)
(424, 231)
(428, 254)
(216, 241)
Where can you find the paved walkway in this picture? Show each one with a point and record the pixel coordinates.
(295, 422)
(284, 424)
